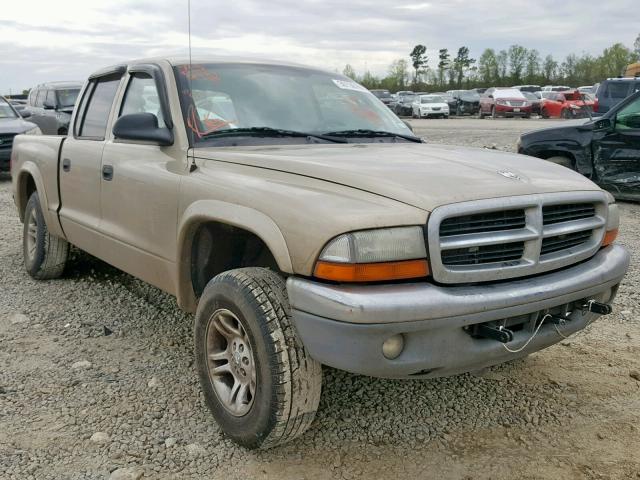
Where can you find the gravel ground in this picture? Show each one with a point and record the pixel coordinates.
(97, 382)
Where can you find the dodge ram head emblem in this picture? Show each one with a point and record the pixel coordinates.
(508, 174)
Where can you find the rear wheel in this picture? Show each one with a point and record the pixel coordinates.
(561, 160)
(544, 113)
(45, 255)
(257, 378)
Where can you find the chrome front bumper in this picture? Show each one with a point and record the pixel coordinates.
(344, 326)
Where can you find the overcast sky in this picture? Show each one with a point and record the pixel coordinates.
(45, 40)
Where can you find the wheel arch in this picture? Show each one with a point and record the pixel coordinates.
(28, 181)
(229, 220)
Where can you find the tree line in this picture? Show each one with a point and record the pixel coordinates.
(513, 66)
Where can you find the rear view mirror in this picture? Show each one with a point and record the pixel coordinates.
(142, 127)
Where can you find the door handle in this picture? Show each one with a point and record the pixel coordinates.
(107, 172)
(66, 164)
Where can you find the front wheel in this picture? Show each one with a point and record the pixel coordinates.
(258, 380)
(45, 255)
(494, 115)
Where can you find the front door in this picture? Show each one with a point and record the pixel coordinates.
(80, 164)
(140, 197)
(617, 153)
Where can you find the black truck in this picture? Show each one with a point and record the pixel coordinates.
(605, 149)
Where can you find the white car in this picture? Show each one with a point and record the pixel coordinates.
(425, 106)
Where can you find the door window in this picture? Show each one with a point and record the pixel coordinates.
(96, 115)
(618, 90)
(142, 97)
(629, 117)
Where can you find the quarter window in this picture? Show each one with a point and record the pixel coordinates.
(96, 115)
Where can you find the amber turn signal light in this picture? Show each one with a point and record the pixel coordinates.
(371, 272)
(610, 237)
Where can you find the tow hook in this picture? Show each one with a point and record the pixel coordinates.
(597, 307)
(500, 333)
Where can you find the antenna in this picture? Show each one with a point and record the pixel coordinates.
(193, 167)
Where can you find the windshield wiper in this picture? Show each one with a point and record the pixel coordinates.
(268, 132)
(371, 133)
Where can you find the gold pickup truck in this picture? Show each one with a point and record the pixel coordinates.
(304, 224)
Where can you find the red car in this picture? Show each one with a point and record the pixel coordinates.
(504, 102)
(571, 104)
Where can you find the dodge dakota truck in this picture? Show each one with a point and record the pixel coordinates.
(305, 225)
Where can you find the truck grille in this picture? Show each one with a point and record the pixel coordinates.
(496, 239)
(565, 213)
(6, 140)
(482, 222)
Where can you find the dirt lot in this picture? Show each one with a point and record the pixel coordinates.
(96, 374)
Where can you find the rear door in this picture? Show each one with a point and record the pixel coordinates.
(617, 152)
(81, 162)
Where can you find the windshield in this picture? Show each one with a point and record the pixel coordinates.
(67, 97)
(5, 110)
(470, 96)
(432, 99)
(381, 93)
(407, 98)
(530, 96)
(240, 96)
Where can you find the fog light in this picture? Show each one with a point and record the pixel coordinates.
(392, 347)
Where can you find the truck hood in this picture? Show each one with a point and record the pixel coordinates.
(424, 176)
(15, 125)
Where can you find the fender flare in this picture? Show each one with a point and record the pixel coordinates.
(249, 219)
(29, 168)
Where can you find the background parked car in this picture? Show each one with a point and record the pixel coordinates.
(467, 102)
(383, 95)
(405, 103)
(504, 102)
(51, 105)
(534, 100)
(606, 149)
(613, 90)
(426, 106)
(586, 89)
(11, 124)
(570, 104)
(19, 105)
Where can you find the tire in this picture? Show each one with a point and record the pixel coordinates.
(494, 115)
(480, 115)
(286, 381)
(561, 160)
(45, 255)
(544, 113)
(565, 114)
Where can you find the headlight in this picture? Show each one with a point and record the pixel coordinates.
(613, 223)
(501, 102)
(33, 131)
(374, 255)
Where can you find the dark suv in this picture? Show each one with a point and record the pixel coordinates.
(51, 105)
(384, 96)
(612, 91)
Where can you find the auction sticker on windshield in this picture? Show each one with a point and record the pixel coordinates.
(347, 85)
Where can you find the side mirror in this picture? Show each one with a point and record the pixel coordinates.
(490, 96)
(25, 113)
(142, 127)
(602, 124)
(48, 105)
